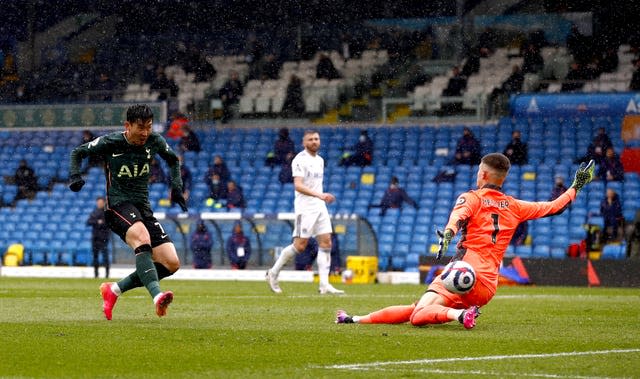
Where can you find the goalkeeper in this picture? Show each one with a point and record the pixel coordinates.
(127, 156)
(486, 219)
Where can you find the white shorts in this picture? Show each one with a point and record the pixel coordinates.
(311, 224)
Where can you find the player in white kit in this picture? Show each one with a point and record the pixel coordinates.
(312, 216)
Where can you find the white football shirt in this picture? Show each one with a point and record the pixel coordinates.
(311, 170)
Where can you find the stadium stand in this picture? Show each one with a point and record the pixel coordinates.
(404, 151)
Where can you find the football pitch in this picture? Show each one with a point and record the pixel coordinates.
(54, 328)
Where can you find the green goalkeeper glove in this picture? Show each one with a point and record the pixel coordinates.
(584, 175)
(443, 241)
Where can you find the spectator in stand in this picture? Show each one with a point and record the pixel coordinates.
(235, 196)
(176, 123)
(294, 102)
(325, 68)
(609, 60)
(598, 147)
(512, 85)
(156, 173)
(281, 148)
(611, 211)
(217, 188)
(611, 169)
(361, 154)
(634, 85)
(230, 94)
(165, 85)
(219, 167)
(532, 59)
(253, 55)
(201, 243)
(558, 188)
(286, 171)
(238, 248)
(189, 140)
(457, 83)
(574, 81)
(517, 151)
(100, 236)
(105, 87)
(393, 197)
(269, 67)
(472, 65)
(196, 63)
(26, 181)
(468, 149)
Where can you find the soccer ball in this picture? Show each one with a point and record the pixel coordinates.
(347, 276)
(458, 277)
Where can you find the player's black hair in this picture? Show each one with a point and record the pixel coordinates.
(139, 112)
(498, 162)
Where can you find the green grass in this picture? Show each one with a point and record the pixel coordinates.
(54, 328)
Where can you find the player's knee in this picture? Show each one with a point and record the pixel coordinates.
(173, 266)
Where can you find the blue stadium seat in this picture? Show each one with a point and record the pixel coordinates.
(613, 251)
(523, 251)
(541, 251)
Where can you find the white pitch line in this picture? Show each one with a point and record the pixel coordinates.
(359, 366)
(500, 374)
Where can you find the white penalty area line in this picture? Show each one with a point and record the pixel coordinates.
(499, 374)
(378, 365)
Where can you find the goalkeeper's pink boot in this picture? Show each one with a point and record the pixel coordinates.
(469, 317)
(163, 303)
(343, 318)
(108, 299)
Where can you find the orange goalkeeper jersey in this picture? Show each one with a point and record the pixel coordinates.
(487, 218)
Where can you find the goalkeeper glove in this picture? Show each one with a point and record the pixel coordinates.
(584, 175)
(177, 198)
(443, 241)
(76, 182)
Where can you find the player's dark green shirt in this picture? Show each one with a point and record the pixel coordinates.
(127, 166)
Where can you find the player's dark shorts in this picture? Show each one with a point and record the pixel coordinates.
(120, 218)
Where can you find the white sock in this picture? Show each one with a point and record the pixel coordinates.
(155, 298)
(115, 289)
(285, 255)
(356, 319)
(324, 262)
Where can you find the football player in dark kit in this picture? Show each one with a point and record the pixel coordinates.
(127, 156)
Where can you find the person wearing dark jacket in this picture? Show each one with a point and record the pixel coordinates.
(220, 168)
(235, 196)
(517, 151)
(611, 169)
(611, 211)
(361, 154)
(394, 196)
(238, 248)
(294, 101)
(467, 149)
(201, 243)
(281, 147)
(100, 235)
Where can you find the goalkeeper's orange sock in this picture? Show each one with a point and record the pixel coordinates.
(434, 314)
(396, 314)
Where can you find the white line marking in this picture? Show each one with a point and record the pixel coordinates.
(359, 366)
(500, 374)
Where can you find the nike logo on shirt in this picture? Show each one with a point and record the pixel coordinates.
(116, 155)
